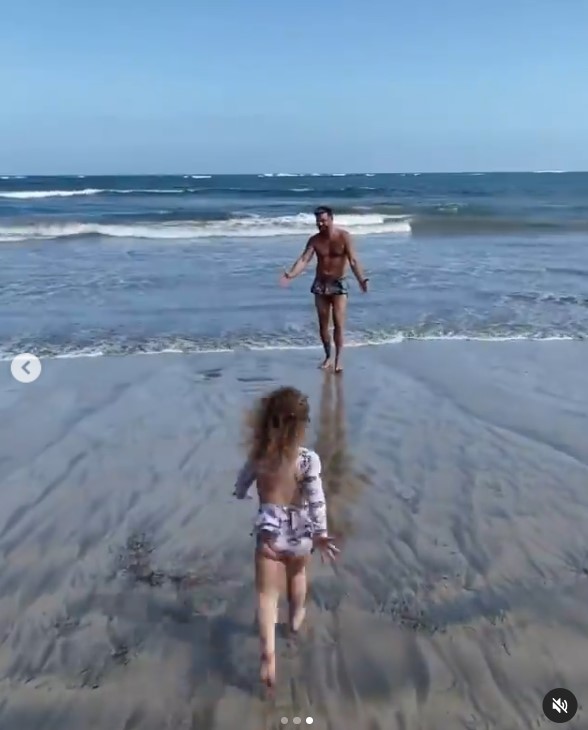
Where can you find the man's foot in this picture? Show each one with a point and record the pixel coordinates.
(326, 364)
(267, 670)
(297, 619)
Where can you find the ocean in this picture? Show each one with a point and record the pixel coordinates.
(129, 264)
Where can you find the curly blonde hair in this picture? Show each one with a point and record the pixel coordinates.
(277, 424)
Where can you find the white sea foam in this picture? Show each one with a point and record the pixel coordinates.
(244, 227)
(370, 341)
(40, 194)
(33, 194)
(280, 174)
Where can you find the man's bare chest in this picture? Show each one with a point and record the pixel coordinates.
(330, 249)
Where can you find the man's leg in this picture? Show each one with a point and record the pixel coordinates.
(323, 309)
(339, 313)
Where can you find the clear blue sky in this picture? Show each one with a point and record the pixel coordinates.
(276, 85)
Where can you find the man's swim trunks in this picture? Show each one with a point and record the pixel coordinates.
(330, 287)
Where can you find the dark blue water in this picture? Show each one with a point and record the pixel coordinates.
(191, 262)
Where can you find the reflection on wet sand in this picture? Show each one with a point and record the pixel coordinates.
(343, 485)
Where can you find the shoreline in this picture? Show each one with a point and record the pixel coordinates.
(243, 350)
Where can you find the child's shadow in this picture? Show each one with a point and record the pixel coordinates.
(207, 609)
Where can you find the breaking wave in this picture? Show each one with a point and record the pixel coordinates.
(243, 227)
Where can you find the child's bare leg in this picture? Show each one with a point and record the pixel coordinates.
(267, 581)
(297, 586)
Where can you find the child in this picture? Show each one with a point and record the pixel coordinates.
(292, 516)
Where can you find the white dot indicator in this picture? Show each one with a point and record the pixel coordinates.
(297, 720)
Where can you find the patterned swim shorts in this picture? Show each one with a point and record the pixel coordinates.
(330, 287)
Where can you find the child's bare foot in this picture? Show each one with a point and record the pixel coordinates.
(297, 619)
(267, 670)
(326, 364)
(338, 367)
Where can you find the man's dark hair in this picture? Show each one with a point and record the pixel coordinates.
(323, 209)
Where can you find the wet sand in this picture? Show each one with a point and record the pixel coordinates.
(457, 477)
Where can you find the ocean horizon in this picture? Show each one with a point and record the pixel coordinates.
(294, 173)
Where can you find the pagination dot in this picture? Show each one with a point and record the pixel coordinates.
(297, 720)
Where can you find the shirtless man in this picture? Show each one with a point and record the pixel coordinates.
(334, 250)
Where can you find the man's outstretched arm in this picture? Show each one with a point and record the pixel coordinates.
(356, 267)
(301, 262)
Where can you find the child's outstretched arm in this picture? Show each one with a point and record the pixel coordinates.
(245, 479)
(312, 483)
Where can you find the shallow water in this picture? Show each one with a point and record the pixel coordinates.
(111, 265)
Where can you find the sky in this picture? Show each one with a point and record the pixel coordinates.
(249, 86)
